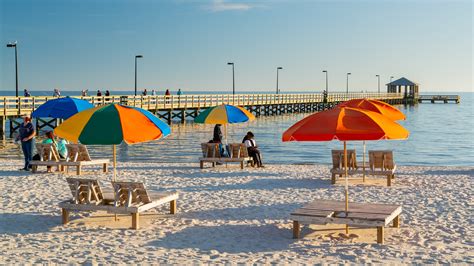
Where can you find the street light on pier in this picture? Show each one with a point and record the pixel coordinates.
(347, 82)
(11, 45)
(391, 77)
(233, 77)
(137, 56)
(378, 77)
(277, 90)
(325, 71)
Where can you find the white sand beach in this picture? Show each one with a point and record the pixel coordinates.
(228, 215)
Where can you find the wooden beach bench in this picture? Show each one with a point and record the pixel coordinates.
(78, 156)
(338, 164)
(380, 164)
(130, 198)
(324, 212)
(49, 157)
(211, 153)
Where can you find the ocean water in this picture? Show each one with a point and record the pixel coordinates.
(440, 134)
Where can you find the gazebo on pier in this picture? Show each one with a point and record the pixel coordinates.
(410, 88)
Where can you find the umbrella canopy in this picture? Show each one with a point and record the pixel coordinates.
(380, 107)
(224, 114)
(111, 124)
(344, 124)
(61, 108)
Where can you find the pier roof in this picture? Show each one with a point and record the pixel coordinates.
(402, 82)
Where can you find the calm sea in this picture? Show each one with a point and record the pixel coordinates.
(440, 134)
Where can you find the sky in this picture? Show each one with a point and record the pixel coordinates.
(85, 44)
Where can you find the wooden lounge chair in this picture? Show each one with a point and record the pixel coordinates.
(78, 156)
(338, 164)
(130, 198)
(49, 157)
(238, 153)
(381, 163)
(360, 214)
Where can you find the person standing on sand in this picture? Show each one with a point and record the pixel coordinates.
(26, 136)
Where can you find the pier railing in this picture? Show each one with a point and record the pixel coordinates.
(13, 106)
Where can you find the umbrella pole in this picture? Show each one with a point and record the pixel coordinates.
(363, 163)
(346, 184)
(115, 170)
(225, 132)
(115, 162)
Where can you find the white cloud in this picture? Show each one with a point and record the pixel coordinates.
(221, 5)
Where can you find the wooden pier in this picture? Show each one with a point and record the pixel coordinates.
(181, 107)
(439, 98)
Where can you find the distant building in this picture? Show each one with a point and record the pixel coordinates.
(410, 88)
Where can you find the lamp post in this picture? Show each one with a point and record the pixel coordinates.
(137, 56)
(11, 45)
(325, 71)
(391, 77)
(347, 82)
(233, 77)
(378, 83)
(277, 90)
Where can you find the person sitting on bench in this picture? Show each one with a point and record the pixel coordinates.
(252, 148)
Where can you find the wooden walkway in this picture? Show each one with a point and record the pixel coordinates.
(184, 106)
(439, 98)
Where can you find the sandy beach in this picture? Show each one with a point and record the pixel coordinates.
(228, 215)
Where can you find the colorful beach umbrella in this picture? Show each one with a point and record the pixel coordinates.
(377, 106)
(113, 124)
(345, 124)
(224, 114)
(61, 108)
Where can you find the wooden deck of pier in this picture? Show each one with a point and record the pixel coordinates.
(439, 98)
(184, 106)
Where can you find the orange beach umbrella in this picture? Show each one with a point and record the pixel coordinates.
(377, 106)
(344, 124)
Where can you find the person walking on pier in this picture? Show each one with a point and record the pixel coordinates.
(99, 93)
(27, 93)
(179, 93)
(26, 136)
(107, 93)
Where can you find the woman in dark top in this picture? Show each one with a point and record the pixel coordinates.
(217, 137)
(252, 149)
(27, 134)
